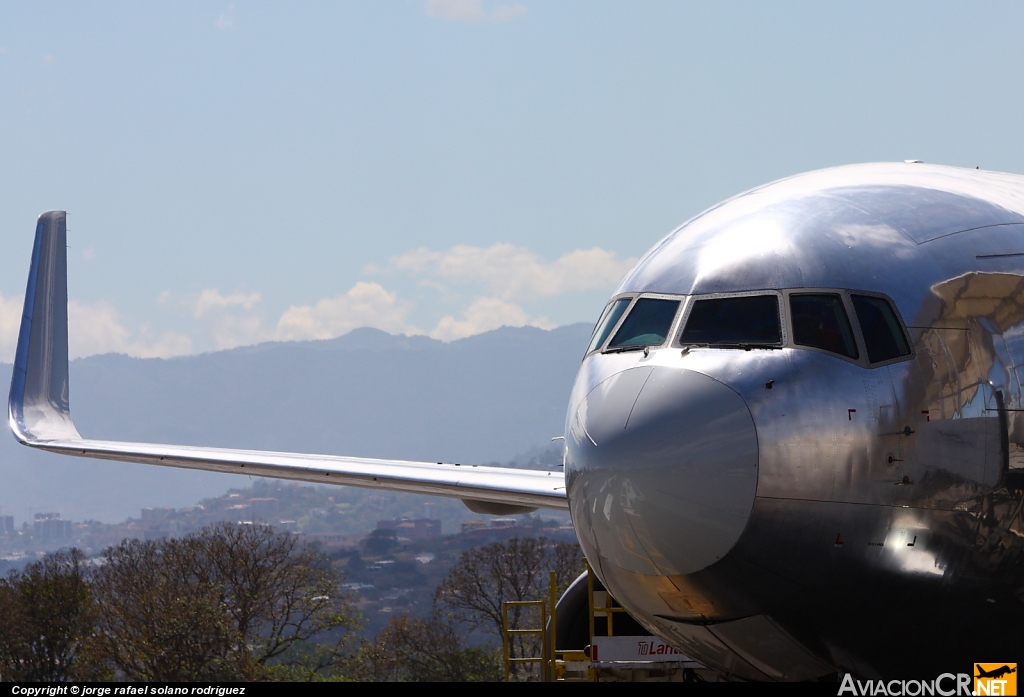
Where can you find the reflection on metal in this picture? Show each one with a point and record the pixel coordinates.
(694, 444)
(885, 502)
(770, 649)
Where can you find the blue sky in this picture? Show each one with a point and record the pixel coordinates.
(238, 172)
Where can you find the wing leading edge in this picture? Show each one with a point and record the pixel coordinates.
(40, 417)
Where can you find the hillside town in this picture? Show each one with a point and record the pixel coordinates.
(391, 562)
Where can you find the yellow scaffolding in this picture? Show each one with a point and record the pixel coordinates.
(577, 665)
(608, 607)
(507, 634)
(556, 666)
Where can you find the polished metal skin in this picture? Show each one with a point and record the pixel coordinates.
(691, 448)
(789, 514)
(779, 513)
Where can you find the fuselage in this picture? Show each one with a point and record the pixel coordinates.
(833, 498)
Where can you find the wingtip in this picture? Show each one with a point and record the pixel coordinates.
(38, 405)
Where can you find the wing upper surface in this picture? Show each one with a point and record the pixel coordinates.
(40, 416)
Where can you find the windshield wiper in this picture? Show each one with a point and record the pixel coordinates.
(623, 349)
(744, 346)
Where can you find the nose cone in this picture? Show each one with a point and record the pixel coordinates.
(661, 469)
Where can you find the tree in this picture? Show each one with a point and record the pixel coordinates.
(381, 542)
(279, 591)
(486, 577)
(46, 612)
(224, 603)
(158, 621)
(430, 649)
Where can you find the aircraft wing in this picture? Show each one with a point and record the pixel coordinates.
(40, 417)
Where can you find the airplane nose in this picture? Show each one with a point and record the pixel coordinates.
(662, 469)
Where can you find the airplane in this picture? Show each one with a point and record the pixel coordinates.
(795, 444)
(995, 672)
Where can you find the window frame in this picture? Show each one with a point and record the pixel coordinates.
(899, 318)
(655, 296)
(621, 296)
(633, 297)
(604, 313)
(685, 316)
(686, 303)
(851, 317)
(681, 299)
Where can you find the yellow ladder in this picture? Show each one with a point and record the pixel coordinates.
(607, 607)
(555, 665)
(507, 634)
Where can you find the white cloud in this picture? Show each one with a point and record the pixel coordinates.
(210, 300)
(517, 273)
(226, 330)
(166, 345)
(226, 20)
(484, 315)
(93, 328)
(97, 328)
(473, 11)
(365, 305)
(227, 320)
(499, 279)
(237, 319)
(234, 320)
(10, 325)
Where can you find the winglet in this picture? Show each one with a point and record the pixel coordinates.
(38, 404)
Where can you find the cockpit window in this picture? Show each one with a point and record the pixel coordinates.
(608, 320)
(740, 322)
(647, 324)
(883, 335)
(819, 321)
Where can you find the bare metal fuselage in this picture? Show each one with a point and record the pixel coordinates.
(789, 514)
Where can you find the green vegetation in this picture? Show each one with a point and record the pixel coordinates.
(517, 570)
(248, 602)
(46, 613)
